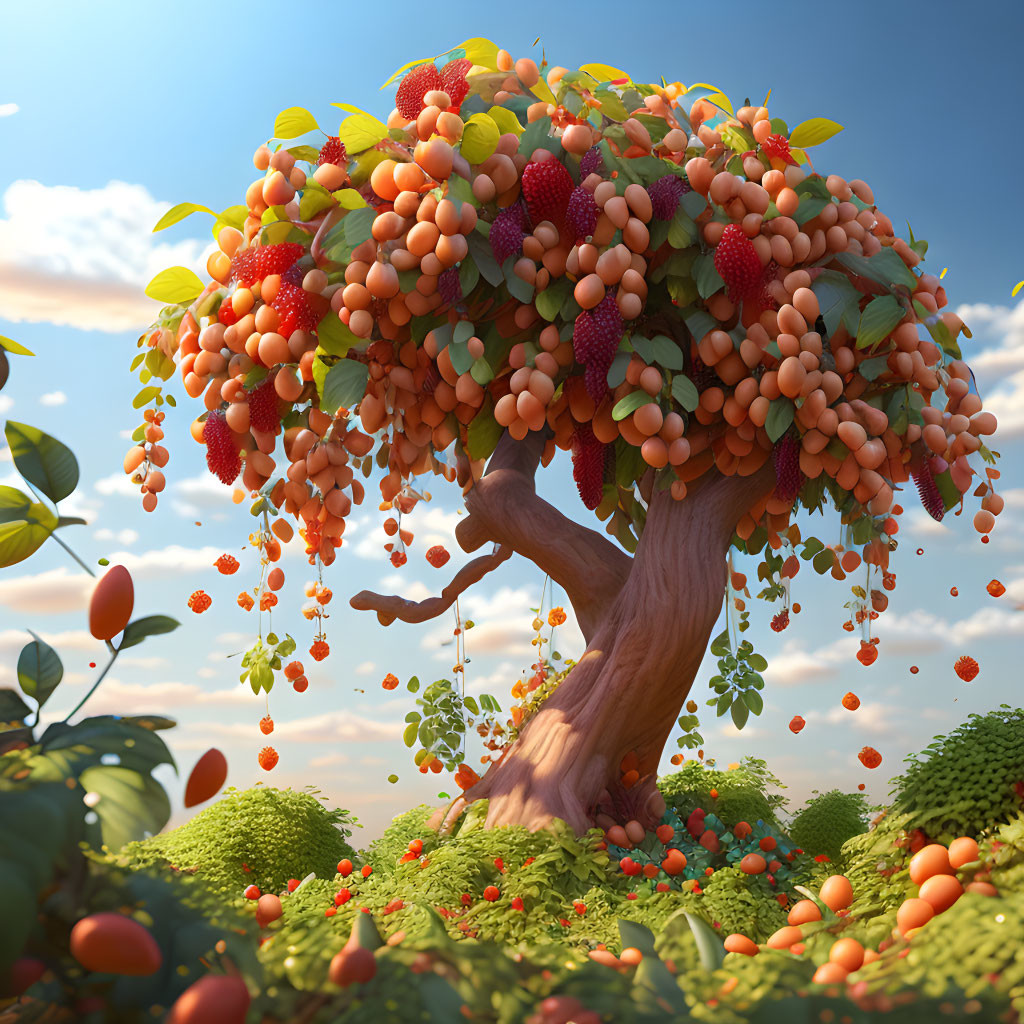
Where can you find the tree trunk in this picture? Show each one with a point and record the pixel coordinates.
(627, 690)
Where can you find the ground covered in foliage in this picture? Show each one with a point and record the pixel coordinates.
(505, 926)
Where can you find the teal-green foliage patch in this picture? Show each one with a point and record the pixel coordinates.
(742, 792)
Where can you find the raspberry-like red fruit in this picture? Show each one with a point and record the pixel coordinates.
(777, 146)
(319, 650)
(581, 214)
(449, 287)
(737, 263)
(665, 194)
(592, 162)
(226, 314)
(929, 491)
(332, 152)
(596, 336)
(437, 555)
(780, 621)
(263, 411)
(788, 477)
(703, 377)
(547, 186)
(221, 450)
(453, 81)
(296, 308)
(268, 758)
(254, 264)
(416, 84)
(588, 455)
(507, 233)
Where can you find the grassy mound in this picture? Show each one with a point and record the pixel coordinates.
(827, 820)
(260, 836)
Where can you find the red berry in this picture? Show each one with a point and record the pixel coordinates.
(319, 650)
(581, 214)
(596, 336)
(778, 146)
(293, 884)
(796, 723)
(737, 263)
(491, 893)
(665, 194)
(414, 86)
(437, 555)
(252, 892)
(507, 233)
(267, 758)
(226, 565)
(332, 152)
(869, 757)
(546, 186)
(199, 602)
(263, 408)
(966, 668)
(453, 81)
(788, 477)
(299, 685)
(257, 262)
(226, 314)
(588, 460)
(928, 489)
(780, 621)
(221, 450)
(298, 309)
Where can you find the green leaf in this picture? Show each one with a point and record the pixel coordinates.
(14, 347)
(483, 256)
(506, 121)
(813, 132)
(517, 287)
(699, 322)
(836, 295)
(335, 337)
(177, 285)
(682, 231)
(180, 212)
(359, 132)
(130, 804)
(632, 402)
(39, 670)
(710, 949)
(14, 504)
(150, 625)
(780, 416)
(537, 136)
(684, 391)
(667, 353)
(230, 217)
(315, 199)
(886, 267)
(21, 537)
(349, 199)
(42, 460)
(293, 122)
(707, 279)
(357, 225)
(753, 702)
(878, 318)
(872, 368)
(617, 371)
(344, 385)
(145, 396)
(549, 301)
(12, 707)
(809, 208)
(479, 138)
(481, 371)
(757, 662)
(823, 561)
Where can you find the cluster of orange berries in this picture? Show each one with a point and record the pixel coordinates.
(144, 461)
(294, 672)
(200, 601)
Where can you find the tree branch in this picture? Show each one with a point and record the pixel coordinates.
(390, 606)
(504, 507)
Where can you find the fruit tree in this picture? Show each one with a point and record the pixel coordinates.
(523, 259)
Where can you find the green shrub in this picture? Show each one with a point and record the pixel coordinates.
(827, 820)
(278, 834)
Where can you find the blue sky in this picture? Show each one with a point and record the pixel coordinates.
(111, 113)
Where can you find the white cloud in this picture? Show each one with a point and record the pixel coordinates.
(51, 592)
(333, 727)
(6, 402)
(117, 483)
(1004, 322)
(329, 760)
(12, 641)
(7, 109)
(53, 398)
(987, 622)
(364, 668)
(125, 537)
(870, 718)
(793, 665)
(173, 560)
(918, 522)
(198, 494)
(82, 257)
(121, 698)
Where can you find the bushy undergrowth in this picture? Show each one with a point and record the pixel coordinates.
(484, 925)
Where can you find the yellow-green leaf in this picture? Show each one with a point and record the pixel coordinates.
(349, 199)
(16, 348)
(293, 122)
(175, 285)
(232, 217)
(479, 138)
(481, 52)
(813, 132)
(403, 68)
(543, 92)
(180, 212)
(361, 131)
(719, 99)
(603, 72)
(144, 397)
(20, 537)
(335, 337)
(505, 120)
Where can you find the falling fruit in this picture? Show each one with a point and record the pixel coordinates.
(851, 701)
(869, 757)
(966, 668)
(115, 944)
(995, 588)
(213, 999)
(206, 778)
(111, 604)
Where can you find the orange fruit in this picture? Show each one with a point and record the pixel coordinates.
(206, 778)
(737, 943)
(848, 953)
(913, 913)
(930, 860)
(804, 912)
(836, 892)
(213, 999)
(962, 851)
(753, 864)
(830, 974)
(785, 937)
(941, 891)
(111, 604)
(115, 944)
